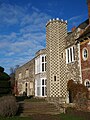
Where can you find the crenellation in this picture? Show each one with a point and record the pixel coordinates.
(56, 20)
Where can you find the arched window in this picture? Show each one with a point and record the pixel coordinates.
(27, 73)
(20, 75)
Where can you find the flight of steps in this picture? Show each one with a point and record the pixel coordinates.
(33, 108)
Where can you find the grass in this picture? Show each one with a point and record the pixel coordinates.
(70, 117)
(56, 117)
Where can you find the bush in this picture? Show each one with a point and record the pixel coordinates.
(75, 89)
(8, 106)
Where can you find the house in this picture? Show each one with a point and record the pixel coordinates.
(24, 78)
(31, 77)
(65, 58)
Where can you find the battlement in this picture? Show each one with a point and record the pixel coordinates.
(55, 20)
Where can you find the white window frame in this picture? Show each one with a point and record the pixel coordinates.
(37, 65)
(84, 54)
(40, 87)
(43, 62)
(43, 86)
(70, 54)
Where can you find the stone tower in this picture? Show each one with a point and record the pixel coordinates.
(56, 31)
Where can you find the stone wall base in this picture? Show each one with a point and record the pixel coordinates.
(60, 103)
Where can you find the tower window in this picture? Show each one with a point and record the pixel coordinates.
(62, 55)
(54, 78)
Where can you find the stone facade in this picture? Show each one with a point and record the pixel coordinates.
(56, 31)
(74, 67)
(24, 77)
(31, 77)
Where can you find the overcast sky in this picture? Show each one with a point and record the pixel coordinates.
(22, 26)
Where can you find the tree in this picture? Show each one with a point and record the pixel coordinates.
(12, 77)
(5, 84)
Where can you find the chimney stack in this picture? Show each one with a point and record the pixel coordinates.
(88, 3)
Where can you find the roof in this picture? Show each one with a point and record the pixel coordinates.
(84, 24)
(85, 32)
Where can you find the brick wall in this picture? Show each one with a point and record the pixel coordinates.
(85, 64)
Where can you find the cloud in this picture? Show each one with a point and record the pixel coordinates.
(28, 37)
(75, 18)
(75, 21)
(35, 9)
(10, 14)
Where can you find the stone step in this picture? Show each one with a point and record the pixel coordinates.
(30, 108)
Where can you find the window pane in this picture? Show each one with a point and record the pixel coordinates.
(42, 81)
(68, 55)
(85, 53)
(45, 66)
(42, 91)
(71, 54)
(26, 84)
(42, 59)
(45, 81)
(42, 66)
(45, 91)
(38, 91)
(45, 58)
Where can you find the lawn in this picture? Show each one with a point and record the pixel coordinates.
(46, 117)
(70, 117)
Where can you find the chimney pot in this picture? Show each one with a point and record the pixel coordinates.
(73, 28)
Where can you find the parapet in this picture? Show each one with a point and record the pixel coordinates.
(55, 20)
(40, 52)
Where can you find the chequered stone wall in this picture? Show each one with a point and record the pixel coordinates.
(56, 31)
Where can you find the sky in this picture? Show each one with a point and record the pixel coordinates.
(22, 26)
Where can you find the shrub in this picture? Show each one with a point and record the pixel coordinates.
(76, 88)
(8, 106)
(79, 94)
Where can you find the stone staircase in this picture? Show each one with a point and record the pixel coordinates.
(34, 108)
